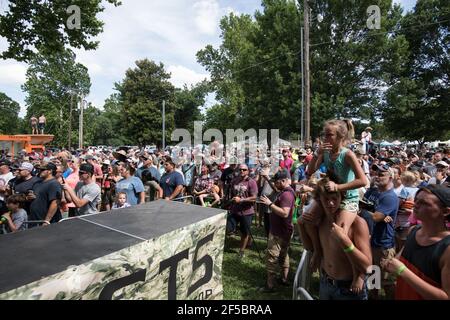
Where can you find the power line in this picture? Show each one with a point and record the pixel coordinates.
(330, 42)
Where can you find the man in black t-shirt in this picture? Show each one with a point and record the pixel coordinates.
(48, 196)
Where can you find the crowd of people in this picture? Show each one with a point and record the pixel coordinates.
(352, 205)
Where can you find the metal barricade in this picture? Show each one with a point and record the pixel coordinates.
(185, 197)
(302, 279)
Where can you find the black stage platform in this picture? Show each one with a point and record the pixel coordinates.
(37, 253)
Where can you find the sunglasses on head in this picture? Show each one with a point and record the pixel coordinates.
(384, 167)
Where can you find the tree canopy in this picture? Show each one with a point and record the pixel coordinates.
(390, 76)
(53, 83)
(9, 110)
(30, 25)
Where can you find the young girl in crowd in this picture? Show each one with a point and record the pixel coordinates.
(121, 201)
(16, 215)
(343, 167)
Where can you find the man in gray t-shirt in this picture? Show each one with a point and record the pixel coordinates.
(87, 193)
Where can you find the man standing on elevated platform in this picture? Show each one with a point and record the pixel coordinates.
(34, 125)
(42, 122)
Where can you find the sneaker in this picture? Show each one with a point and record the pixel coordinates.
(241, 255)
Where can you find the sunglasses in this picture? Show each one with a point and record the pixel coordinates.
(82, 172)
(384, 167)
(243, 169)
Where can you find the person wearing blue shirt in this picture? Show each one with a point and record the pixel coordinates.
(172, 182)
(383, 235)
(131, 185)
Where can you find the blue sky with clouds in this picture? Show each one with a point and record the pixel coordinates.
(168, 31)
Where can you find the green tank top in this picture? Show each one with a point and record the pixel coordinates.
(342, 171)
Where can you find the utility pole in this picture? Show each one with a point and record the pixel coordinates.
(302, 116)
(164, 125)
(80, 134)
(70, 121)
(306, 12)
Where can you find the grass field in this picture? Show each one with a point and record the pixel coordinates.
(244, 279)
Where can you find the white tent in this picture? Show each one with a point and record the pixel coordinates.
(385, 144)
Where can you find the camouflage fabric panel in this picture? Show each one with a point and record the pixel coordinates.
(199, 250)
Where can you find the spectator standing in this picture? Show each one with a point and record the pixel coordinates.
(5, 176)
(346, 256)
(281, 229)
(287, 161)
(149, 175)
(366, 139)
(47, 195)
(87, 194)
(386, 204)
(244, 192)
(26, 183)
(172, 182)
(423, 269)
(131, 185)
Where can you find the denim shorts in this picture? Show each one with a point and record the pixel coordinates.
(339, 289)
(244, 223)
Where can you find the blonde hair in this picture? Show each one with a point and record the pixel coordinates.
(408, 178)
(345, 129)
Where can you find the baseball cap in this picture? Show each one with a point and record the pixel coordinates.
(5, 163)
(26, 166)
(380, 167)
(442, 164)
(47, 166)
(440, 191)
(86, 167)
(282, 174)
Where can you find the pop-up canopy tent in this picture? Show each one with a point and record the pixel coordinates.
(385, 144)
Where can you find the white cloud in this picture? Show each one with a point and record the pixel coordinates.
(168, 31)
(182, 75)
(12, 73)
(207, 16)
(229, 10)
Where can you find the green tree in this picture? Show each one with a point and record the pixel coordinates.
(9, 109)
(220, 117)
(417, 104)
(52, 85)
(91, 117)
(141, 96)
(188, 102)
(43, 25)
(108, 129)
(256, 69)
